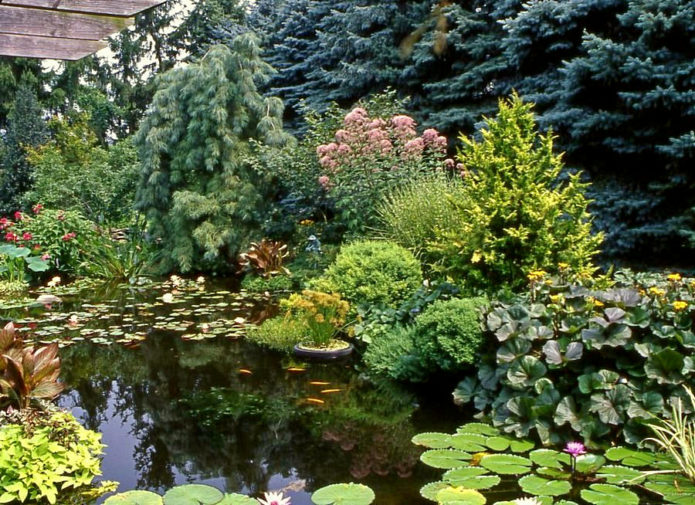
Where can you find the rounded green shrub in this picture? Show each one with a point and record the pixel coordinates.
(448, 334)
(278, 333)
(393, 355)
(373, 273)
(257, 284)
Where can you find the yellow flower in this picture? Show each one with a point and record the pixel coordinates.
(563, 266)
(306, 222)
(556, 298)
(536, 275)
(679, 305)
(674, 277)
(657, 291)
(598, 303)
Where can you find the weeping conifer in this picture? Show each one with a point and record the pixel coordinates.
(201, 197)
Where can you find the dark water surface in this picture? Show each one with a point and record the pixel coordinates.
(181, 397)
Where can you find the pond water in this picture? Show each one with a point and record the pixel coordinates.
(163, 371)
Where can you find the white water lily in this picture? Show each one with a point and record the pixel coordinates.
(274, 499)
(527, 501)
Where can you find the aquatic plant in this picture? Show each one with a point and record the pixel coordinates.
(480, 458)
(321, 314)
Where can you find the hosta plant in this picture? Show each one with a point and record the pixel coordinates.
(265, 258)
(26, 373)
(482, 462)
(570, 362)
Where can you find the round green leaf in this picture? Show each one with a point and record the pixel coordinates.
(629, 457)
(237, 499)
(479, 428)
(460, 496)
(616, 474)
(433, 440)
(498, 443)
(521, 446)
(463, 473)
(538, 486)
(469, 442)
(134, 498)
(608, 494)
(526, 371)
(429, 491)
(553, 473)
(550, 458)
(445, 458)
(471, 477)
(506, 464)
(343, 494)
(193, 494)
(589, 463)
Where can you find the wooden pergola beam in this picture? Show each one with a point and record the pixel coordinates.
(48, 47)
(68, 25)
(120, 8)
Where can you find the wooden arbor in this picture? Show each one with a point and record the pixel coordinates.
(63, 29)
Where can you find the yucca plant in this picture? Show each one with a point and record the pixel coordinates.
(677, 436)
(266, 258)
(26, 373)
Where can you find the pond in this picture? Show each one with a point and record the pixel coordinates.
(163, 371)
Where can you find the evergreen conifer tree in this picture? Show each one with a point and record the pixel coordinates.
(26, 128)
(200, 195)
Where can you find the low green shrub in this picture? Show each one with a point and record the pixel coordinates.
(373, 273)
(12, 289)
(38, 463)
(448, 334)
(279, 333)
(256, 284)
(414, 215)
(392, 354)
(600, 364)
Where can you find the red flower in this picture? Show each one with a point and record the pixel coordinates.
(27, 236)
(37, 247)
(37, 208)
(69, 236)
(46, 257)
(11, 237)
(18, 216)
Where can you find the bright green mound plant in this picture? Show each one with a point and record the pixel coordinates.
(373, 272)
(482, 461)
(278, 333)
(448, 334)
(38, 463)
(593, 364)
(518, 210)
(199, 494)
(415, 214)
(393, 355)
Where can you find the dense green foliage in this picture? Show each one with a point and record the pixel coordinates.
(36, 463)
(201, 198)
(373, 273)
(73, 172)
(503, 464)
(278, 333)
(25, 129)
(592, 363)
(448, 334)
(516, 214)
(416, 213)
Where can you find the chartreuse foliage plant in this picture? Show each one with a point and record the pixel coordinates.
(39, 463)
(573, 362)
(519, 211)
(202, 198)
(198, 494)
(373, 272)
(481, 461)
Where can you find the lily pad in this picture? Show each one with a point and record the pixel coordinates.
(470, 442)
(616, 474)
(479, 428)
(630, 457)
(460, 496)
(445, 458)
(608, 494)
(472, 478)
(237, 499)
(550, 458)
(538, 486)
(589, 463)
(506, 464)
(433, 440)
(193, 494)
(429, 491)
(343, 494)
(135, 498)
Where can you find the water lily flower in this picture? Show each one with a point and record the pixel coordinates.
(575, 449)
(274, 499)
(200, 280)
(168, 298)
(53, 282)
(527, 501)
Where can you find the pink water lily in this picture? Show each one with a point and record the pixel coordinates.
(575, 449)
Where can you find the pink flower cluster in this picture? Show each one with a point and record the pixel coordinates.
(365, 141)
(69, 236)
